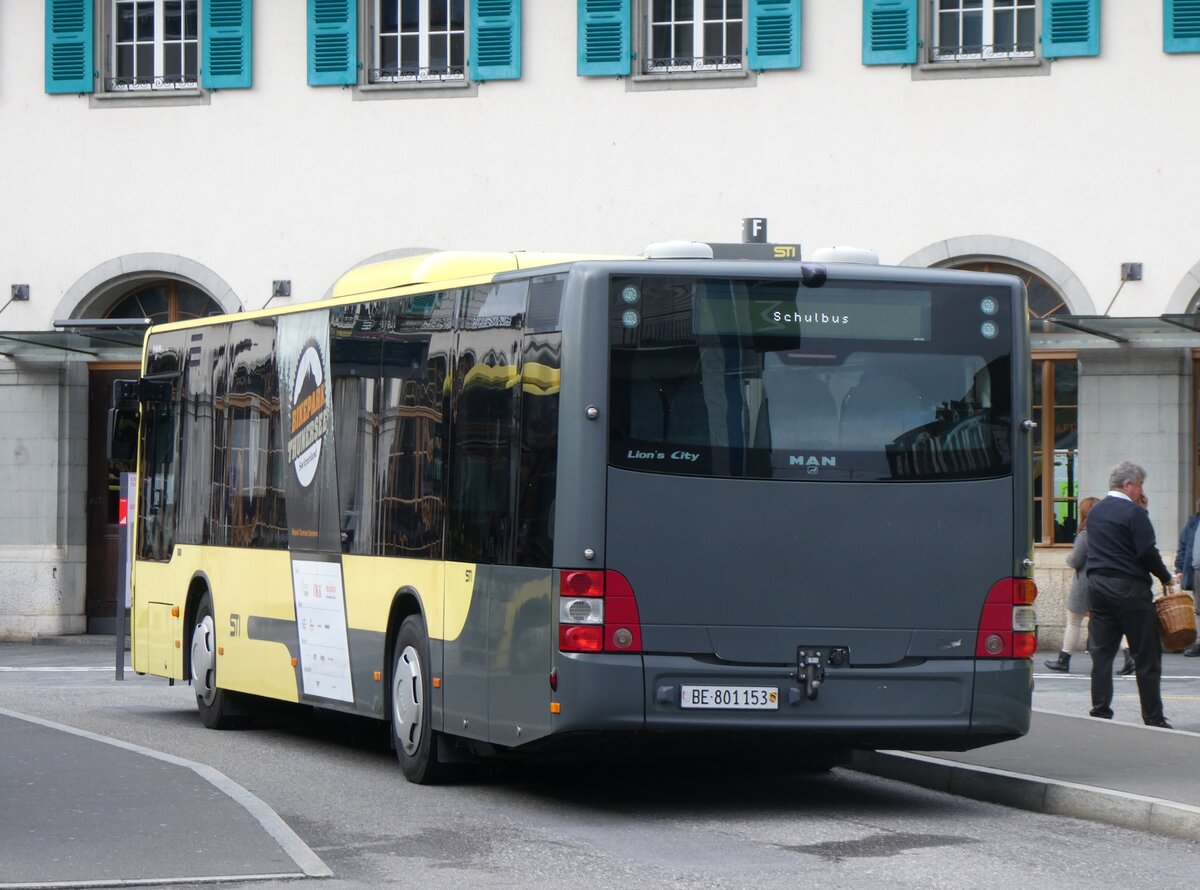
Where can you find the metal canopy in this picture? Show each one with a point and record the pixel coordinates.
(1153, 331)
(78, 340)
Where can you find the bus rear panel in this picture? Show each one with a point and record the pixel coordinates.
(812, 492)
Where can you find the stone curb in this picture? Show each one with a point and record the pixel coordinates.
(1034, 793)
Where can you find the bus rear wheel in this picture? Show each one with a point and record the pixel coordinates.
(413, 735)
(214, 704)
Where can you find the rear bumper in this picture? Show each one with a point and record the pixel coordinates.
(922, 704)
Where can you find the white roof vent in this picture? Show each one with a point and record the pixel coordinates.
(844, 255)
(678, 250)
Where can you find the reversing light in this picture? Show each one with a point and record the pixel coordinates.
(989, 306)
(989, 330)
(1024, 619)
(581, 610)
(629, 318)
(630, 295)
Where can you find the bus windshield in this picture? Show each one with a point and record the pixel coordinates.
(767, 378)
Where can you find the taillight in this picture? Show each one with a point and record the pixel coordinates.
(1008, 625)
(597, 612)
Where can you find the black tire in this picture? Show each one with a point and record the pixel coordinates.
(413, 736)
(214, 704)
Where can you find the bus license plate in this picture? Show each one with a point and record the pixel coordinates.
(742, 698)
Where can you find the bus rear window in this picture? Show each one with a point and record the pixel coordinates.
(767, 378)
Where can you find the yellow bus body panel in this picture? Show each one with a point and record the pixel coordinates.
(257, 584)
(244, 584)
(445, 266)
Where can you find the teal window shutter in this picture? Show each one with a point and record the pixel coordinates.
(1181, 26)
(774, 34)
(889, 32)
(69, 46)
(226, 34)
(332, 42)
(1070, 28)
(603, 38)
(495, 52)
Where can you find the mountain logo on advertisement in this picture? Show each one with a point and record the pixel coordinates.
(310, 415)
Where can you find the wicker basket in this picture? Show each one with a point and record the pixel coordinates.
(1177, 618)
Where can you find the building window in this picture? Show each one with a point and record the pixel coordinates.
(145, 48)
(154, 45)
(733, 40)
(419, 40)
(1056, 449)
(694, 35)
(973, 30)
(165, 301)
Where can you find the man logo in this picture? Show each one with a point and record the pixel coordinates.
(310, 415)
(811, 461)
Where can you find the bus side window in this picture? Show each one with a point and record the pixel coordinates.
(486, 425)
(409, 503)
(157, 504)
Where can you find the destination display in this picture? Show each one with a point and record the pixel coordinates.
(829, 312)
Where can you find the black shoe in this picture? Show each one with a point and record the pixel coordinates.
(1062, 665)
(1128, 667)
(1161, 724)
(1193, 650)
(1102, 713)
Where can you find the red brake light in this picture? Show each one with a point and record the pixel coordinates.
(581, 583)
(581, 638)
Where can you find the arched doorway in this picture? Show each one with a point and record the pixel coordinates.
(161, 301)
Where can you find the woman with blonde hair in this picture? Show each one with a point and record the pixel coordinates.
(1077, 599)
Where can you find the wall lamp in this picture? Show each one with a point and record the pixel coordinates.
(20, 292)
(281, 287)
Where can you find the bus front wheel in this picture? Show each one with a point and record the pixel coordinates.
(412, 733)
(215, 705)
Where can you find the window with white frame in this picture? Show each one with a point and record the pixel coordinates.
(694, 35)
(418, 40)
(154, 45)
(968, 30)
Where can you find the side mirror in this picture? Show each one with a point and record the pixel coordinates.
(123, 437)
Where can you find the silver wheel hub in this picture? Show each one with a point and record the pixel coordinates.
(204, 660)
(407, 700)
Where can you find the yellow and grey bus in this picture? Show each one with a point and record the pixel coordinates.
(508, 502)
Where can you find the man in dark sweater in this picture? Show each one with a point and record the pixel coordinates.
(1121, 557)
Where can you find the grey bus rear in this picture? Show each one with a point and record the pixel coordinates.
(813, 484)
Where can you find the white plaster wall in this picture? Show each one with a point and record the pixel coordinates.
(1134, 405)
(43, 470)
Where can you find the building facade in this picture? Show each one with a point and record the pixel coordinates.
(175, 158)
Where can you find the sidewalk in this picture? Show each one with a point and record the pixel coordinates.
(118, 810)
(1120, 773)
